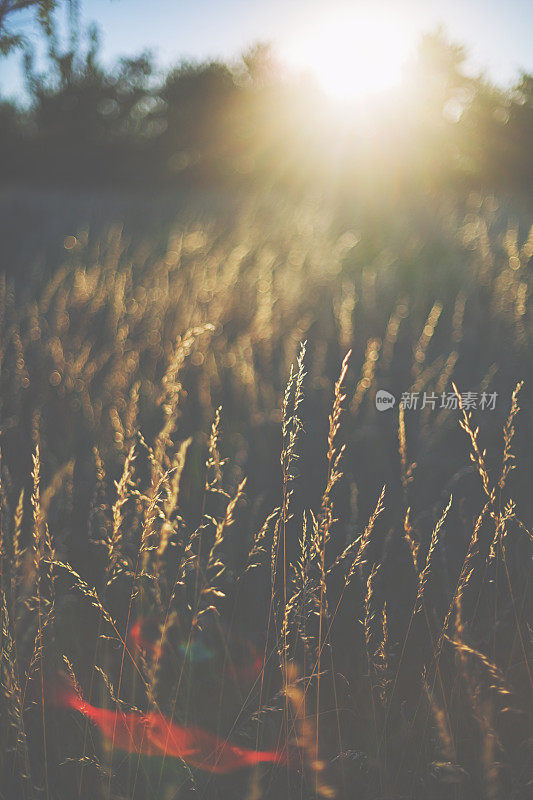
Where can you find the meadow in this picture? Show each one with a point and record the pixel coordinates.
(225, 571)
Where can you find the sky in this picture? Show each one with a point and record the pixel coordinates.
(498, 34)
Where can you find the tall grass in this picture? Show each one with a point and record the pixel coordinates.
(207, 521)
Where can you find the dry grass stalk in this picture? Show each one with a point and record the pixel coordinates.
(421, 347)
(178, 465)
(12, 692)
(215, 566)
(214, 464)
(18, 549)
(123, 487)
(322, 530)
(290, 432)
(414, 546)
(477, 456)
(375, 630)
(362, 544)
(424, 575)
(465, 573)
(259, 549)
(508, 434)
(367, 374)
(406, 469)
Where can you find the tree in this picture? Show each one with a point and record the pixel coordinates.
(10, 39)
(88, 123)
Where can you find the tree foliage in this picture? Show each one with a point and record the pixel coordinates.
(10, 37)
(250, 120)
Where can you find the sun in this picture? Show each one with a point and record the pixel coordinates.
(352, 53)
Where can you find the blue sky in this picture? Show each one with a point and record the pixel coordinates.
(497, 33)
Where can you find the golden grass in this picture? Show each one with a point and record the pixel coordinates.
(131, 513)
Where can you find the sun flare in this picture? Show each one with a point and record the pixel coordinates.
(351, 53)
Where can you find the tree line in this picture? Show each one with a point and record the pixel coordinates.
(211, 122)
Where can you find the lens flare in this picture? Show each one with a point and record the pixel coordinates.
(152, 734)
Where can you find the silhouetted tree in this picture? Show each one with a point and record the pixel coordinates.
(87, 120)
(196, 99)
(10, 38)
(253, 122)
(520, 131)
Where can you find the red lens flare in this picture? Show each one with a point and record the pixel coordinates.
(153, 734)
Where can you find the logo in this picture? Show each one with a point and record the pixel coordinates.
(384, 400)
